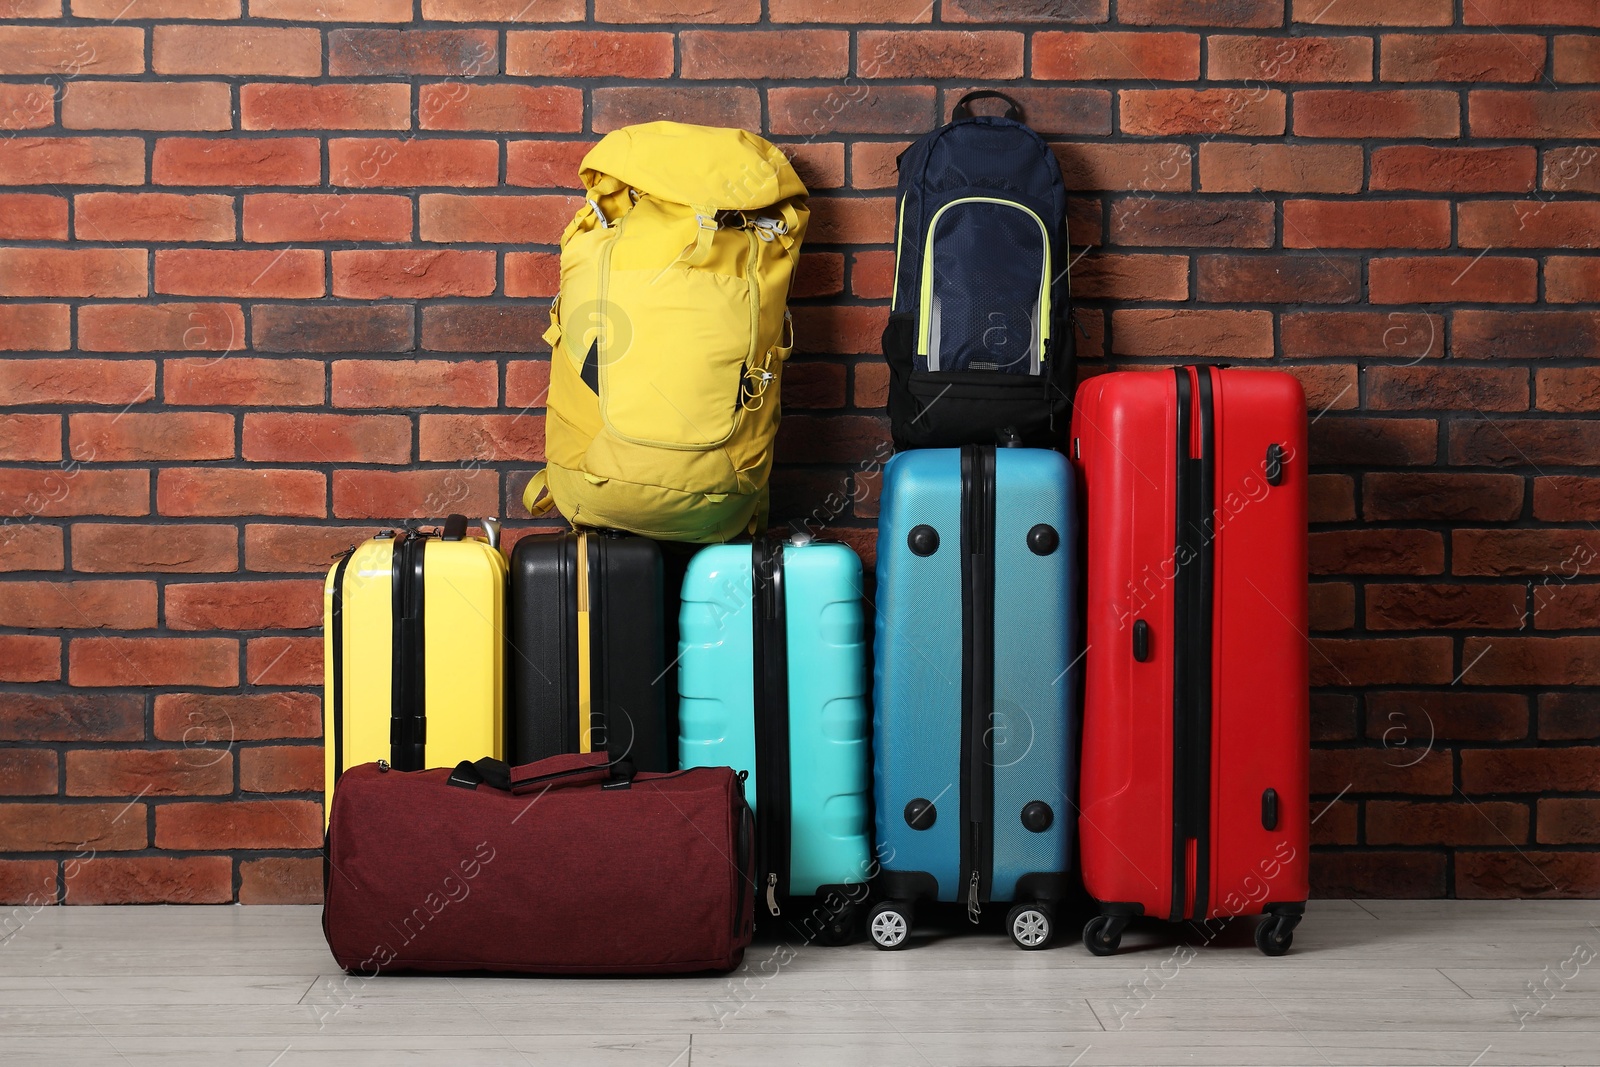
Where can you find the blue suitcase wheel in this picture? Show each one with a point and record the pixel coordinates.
(890, 924)
(1031, 925)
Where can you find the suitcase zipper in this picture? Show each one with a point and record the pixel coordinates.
(408, 723)
(770, 707)
(977, 674)
(336, 698)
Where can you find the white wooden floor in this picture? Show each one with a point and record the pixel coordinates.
(1371, 983)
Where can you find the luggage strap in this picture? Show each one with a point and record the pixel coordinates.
(555, 772)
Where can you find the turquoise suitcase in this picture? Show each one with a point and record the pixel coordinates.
(772, 681)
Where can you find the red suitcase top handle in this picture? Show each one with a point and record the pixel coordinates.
(553, 772)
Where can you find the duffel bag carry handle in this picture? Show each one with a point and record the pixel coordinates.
(553, 772)
(962, 110)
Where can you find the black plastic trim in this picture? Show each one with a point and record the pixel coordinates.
(908, 885)
(336, 698)
(1182, 477)
(408, 722)
(771, 676)
(977, 625)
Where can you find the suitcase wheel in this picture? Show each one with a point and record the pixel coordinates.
(1031, 925)
(1103, 933)
(842, 926)
(890, 924)
(1275, 934)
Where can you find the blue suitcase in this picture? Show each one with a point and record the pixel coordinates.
(975, 702)
(772, 680)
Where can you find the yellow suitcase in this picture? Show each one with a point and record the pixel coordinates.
(414, 651)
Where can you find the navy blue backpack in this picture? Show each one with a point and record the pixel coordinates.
(979, 335)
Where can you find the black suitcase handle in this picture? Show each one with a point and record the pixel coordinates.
(962, 110)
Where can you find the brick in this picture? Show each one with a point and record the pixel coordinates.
(527, 383)
(497, 107)
(590, 54)
(846, 439)
(1453, 279)
(857, 220)
(1330, 387)
(1386, 661)
(820, 164)
(502, 11)
(290, 106)
(415, 383)
(1499, 57)
(109, 105)
(150, 880)
(544, 164)
(29, 772)
(376, 162)
(1332, 498)
(283, 661)
(1530, 13)
(1289, 59)
(74, 491)
(1141, 168)
(1542, 661)
(428, 272)
(236, 50)
(76, 381)
(480, 328)
(1530, 770)
(490, 438)
(1374, 12)
(33, 217)
(1440, 496)
(1366, 224)
(144, 661)
(1174, 112)
(1107, 55)
(1382, 442)
(1333, 606)
(1236, 168)
(863, 108)
(125, 605)
(73, 272)
(156, 9)
(822, 274)
(1378, 770)
(871, 274)
(31, 328)
(1386, 113)
(1235, 14)
(72, 828)
(1384, 874)
(1114, 277)
(30, 437)
(670, 11)
(1558, 605)
(31, 547)
(1335, 823)
(1505, 553)
(57, 161)
(32, 9)
(1444, 607)
(29, 658)
(1569, 717)
(27, 107)
(197, 718)
(1529, 224)
(355, 328)
(1188, 332)
(1531, 114)
(153, 217)
(533, 274)
(297, 548)
(280, 880)
(447, 53)
(207, 491)
(289, 273)
(1424, 388)
(987, 54)
(76, 717)
(1577, 60)
(848, 11)
(1526, 335)
(158, 772)
(1391, 822)
(239, 824)
(252, 161)
(1565, 499)
(814, 385)
(244, 381)
(276, 605)
(281, 769)
(1209, 222)
(71, 51)
(332, 10)
(205, 327)
(1278, 279)
(415, 494)
(1525, 442)
(1377, 552)
(326, 217)
(516, 219)
(840, 330)
(1569, 821)
(753, 54)
(873, 163)
(307, 437)
(146, 436)
(1417, 720)
(1568, 389)
(1049, 110)
(1572, 280)
(1425, 168)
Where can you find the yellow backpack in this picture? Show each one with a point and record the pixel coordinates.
(670, 332)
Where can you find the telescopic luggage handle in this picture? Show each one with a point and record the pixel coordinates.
(553, 772)
(963, 110)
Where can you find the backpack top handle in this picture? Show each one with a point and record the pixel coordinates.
(963, 110)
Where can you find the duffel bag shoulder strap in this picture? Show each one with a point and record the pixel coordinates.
(553, 772)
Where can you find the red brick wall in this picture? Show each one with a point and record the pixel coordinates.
(268, 283)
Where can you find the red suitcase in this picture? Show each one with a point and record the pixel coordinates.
(565, 866)
(1196, 735)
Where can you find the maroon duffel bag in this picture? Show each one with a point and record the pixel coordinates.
(565, 866)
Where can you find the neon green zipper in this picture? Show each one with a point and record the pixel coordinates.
(899, 228)
(925, 310)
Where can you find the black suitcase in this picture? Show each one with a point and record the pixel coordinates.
(588, 661)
